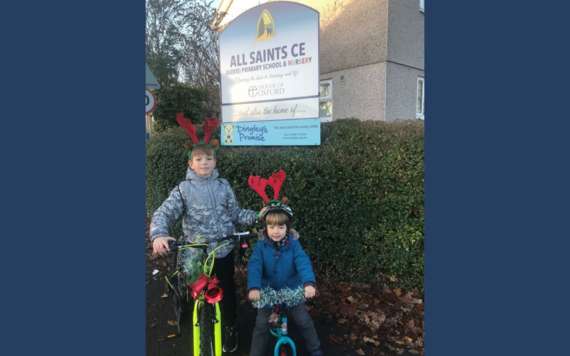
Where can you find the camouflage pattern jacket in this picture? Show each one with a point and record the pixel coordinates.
(208, 207)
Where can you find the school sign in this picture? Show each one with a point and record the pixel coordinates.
(269, 68)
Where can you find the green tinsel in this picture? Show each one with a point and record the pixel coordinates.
(191, 265)
(270, 297)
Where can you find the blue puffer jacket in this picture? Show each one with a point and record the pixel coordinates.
(288, 267)
(208, 207)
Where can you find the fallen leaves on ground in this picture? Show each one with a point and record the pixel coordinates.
(373, 314)
(336, 339)
(370, 315)
(367, 339)
(172, 322)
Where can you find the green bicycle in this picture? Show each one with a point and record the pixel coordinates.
(200, 285)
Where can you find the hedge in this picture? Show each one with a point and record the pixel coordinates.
(358, 198)
(175, 98)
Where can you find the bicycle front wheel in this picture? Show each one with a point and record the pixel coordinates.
(174, 285)
(179, 288)
(205, 318)
(285, 350)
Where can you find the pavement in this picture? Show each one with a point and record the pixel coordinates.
(159, 311)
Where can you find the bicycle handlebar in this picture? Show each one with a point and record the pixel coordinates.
(238, 236)
(173, 245)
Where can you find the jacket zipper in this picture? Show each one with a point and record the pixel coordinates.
(214, 208)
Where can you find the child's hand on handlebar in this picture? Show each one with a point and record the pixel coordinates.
(160, 244)
(253, 295)
(261, 213)
(309, 292)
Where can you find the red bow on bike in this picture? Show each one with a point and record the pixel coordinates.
(213, 295)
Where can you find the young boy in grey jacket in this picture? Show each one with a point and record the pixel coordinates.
(208, 207)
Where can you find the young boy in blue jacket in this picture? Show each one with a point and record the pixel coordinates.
(278, 261)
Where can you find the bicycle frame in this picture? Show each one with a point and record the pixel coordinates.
(280, 332)
(199, 303)
(201, 300)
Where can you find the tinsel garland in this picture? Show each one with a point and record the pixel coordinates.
(269, 296)
(191, 265)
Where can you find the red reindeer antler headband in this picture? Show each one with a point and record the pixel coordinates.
(209, 126)
(275, 181)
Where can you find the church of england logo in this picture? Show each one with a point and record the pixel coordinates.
(265, 28)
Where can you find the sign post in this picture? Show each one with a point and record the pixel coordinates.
(269, 65)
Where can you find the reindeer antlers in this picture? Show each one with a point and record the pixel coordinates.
(275, 181)
(258, 184)
(187, 125)
(209, 126)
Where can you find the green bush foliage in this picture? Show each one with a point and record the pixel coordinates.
(161, 125)
(358, 199)
(179, 98)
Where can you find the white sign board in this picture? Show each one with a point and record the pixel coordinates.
(269, 64)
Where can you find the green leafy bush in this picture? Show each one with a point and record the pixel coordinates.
(179, 98)
(358, 199)
(161, 125)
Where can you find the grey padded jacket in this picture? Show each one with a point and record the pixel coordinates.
(208, 207)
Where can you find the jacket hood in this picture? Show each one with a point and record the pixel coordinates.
(191, 175)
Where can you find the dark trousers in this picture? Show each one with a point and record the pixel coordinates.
(224, 268)
(302, 319)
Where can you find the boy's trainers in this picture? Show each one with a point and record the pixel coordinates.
(317, 352)
(230, 341)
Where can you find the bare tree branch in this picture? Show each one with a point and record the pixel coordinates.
(181, 47)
